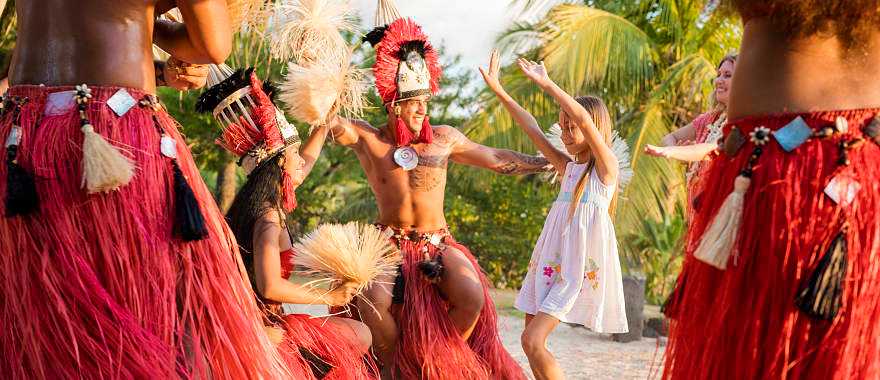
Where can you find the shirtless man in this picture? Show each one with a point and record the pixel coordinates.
(98, 283)
(798, 298)
(410, 203)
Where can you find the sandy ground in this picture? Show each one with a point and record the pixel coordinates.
(587, 355)
(582, 353)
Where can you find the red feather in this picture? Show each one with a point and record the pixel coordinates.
(239, 138)
(388, 58)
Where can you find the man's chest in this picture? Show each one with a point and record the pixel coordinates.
(419, 168)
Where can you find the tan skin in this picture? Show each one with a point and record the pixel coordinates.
(775, 73)
(581, 138)
(271, 238)
(679, 145)
(414, 200)
(64, 42)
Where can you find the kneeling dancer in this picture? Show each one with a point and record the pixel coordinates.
(256, 132)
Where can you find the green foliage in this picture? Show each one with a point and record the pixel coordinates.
(659, 244)
(500, 222)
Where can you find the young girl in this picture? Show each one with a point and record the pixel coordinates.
(323, 348)
(574, 274)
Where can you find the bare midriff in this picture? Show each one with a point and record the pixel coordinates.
(411, 200)
(97, 42)
(818, 73)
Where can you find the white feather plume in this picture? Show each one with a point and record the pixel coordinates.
(618, 146)
(315, 92)
(308, 30)
(355, 253)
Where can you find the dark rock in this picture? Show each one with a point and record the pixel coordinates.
(634, 295)
(658, 324)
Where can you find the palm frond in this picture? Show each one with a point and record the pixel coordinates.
(591, 50)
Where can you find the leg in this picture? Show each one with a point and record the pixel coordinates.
(461, 286)
(379, 319)
(534, 343)
(360, 333)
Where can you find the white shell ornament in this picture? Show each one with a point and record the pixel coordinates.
(168, 146)
(406, 157)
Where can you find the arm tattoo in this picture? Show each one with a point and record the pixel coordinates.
(515, 163)
(429, 174)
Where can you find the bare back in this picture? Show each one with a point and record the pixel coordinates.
(808, 74)
(407, 199)
(100, 42)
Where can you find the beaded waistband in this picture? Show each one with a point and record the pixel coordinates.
(435, 237)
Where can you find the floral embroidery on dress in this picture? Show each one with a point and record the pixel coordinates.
(550, 269)
(591, 273)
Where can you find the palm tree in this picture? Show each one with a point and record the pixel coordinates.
(652, 61)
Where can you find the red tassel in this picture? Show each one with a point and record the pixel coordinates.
(402, 133)
(427, 134)
(288, 192)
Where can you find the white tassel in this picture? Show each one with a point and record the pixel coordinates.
(719, 239)
(104, 167)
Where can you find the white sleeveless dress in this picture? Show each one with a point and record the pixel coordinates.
(574, 274)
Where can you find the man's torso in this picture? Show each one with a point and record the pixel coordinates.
(407, 199)
(98, 42)
(807, 74)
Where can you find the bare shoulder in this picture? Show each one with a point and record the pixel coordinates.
(268, 224)
(447, 135)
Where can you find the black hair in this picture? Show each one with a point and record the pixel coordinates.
(260, 194)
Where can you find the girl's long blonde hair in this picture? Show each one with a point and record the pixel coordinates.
(602, 119)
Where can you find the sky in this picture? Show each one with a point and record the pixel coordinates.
(465, 27)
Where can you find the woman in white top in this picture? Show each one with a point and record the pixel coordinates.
(574, 274)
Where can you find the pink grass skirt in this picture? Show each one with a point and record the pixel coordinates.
(97, 286)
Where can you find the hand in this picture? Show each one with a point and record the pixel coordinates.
(491, 77)
(184, 76)
(685, 142)
(536, 72)
(656, 151)
(341, 295)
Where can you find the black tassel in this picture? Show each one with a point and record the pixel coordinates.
(432, 269)
(319, 367)
(189, 223)
(670, 306)
(399, 289)
(21, 190)
(821, 297)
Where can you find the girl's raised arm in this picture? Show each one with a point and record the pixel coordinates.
(606, 161)
(522, 117)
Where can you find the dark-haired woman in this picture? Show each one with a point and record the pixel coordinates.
(795, 206)
(331, 347)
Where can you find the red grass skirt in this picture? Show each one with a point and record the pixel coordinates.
(96, 286)
(742, 323)
(430, 346)
(327, 341)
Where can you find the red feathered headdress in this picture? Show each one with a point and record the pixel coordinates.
(406, 64)
(251, 123)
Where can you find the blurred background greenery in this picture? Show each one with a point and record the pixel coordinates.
(652, 61)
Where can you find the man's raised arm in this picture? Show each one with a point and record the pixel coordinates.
(502, 161)
(345, 131)
(204, 36)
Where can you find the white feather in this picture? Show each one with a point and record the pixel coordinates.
(315, 92)
(309, 30)
(618, 146)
